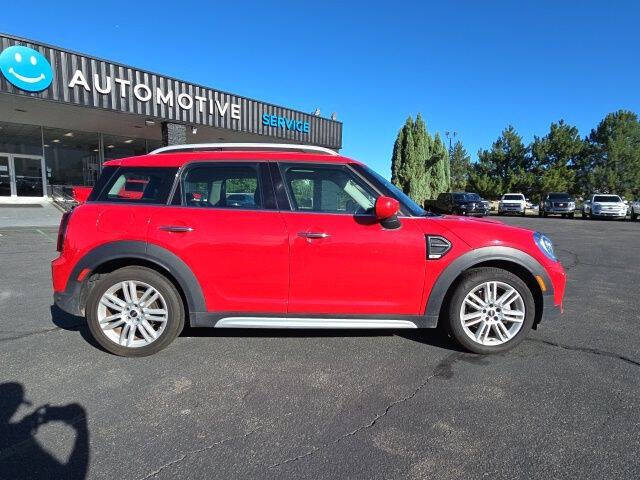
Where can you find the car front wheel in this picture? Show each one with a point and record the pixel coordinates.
(491, 310)
(134, 311)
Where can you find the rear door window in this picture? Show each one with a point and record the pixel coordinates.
(222, 186)
(138, 185)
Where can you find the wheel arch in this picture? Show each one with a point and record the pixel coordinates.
(511, 259)
(111, 256)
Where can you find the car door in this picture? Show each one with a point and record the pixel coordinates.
(238, 251)
(344, 261)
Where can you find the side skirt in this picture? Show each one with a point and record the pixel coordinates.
(296, 321)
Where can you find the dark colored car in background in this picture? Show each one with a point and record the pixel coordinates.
(461, 203)
(557, 203)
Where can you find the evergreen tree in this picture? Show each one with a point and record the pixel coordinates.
(611, 159)
(506, 167)
(419, 164)
(555, 157)
(396, 158)
(460, 164)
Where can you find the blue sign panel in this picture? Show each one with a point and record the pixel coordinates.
(26, 68)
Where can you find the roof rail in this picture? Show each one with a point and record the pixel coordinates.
(194, 147)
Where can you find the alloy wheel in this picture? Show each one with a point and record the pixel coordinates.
(492, 313)
(132, 314)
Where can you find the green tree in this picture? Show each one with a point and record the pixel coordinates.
(611, 160)
(460, 164)
(506, 167)
(555, 158)
(396, 157)
(419, 164)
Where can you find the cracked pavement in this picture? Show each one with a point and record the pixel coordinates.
(564, 404)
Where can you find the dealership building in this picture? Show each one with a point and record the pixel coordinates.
(63, 114)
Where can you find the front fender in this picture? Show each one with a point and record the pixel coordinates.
(477, 257)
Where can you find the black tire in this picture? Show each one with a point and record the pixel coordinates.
(545, 215)
(571, 215)
(564, 215)
(634, 216)
(523, 214)
(175, 309)
(470, 280)
(540, 212)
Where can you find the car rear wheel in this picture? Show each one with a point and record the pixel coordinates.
(134, 312)
(491, 310)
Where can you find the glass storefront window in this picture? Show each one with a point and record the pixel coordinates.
(18, 138)
(71, 157)
(121, 147)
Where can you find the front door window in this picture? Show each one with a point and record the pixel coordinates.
(329, 190)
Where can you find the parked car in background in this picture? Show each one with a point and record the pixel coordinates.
(635, 210)
(604, 206)
(461, 203)
(557, 203)
(328, 243)
(512, 203)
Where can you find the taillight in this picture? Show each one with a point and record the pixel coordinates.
(62, 230)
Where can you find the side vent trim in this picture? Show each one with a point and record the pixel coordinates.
(437, 247)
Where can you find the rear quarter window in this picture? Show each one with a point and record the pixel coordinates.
(138, 185)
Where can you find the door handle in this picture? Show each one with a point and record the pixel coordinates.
(313, 235)
(175, 228)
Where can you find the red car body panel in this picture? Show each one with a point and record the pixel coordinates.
(259, 261)
(240, 257)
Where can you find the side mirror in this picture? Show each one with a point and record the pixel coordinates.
(386, 207)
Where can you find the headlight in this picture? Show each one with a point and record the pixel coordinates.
(545, 244)
(572, 204)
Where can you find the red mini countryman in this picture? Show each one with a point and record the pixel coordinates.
(289, 236)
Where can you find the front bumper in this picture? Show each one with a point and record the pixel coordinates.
(602, 214)
(510, 209)
(559, 210)
(550, 311)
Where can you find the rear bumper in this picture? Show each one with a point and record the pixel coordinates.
(69, 301)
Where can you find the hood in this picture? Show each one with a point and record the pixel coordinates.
(484, 232)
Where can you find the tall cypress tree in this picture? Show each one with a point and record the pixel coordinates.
(419, 165)
(396, 158)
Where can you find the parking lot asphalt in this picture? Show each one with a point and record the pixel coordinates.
(564, 404)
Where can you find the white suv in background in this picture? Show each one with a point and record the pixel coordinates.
(512, 203)
(601, 206)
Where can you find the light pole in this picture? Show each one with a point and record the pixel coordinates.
(450, 135)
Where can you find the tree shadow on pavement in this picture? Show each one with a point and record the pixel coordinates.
(21, 454)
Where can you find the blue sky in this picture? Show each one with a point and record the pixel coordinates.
(469, 67)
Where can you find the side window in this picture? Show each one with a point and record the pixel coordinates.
(139, 185)
(327, 189)
(222, 186)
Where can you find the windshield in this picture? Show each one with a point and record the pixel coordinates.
(466, 197)
(513, 197)
(404, 199)
(607, 198)
(559, 196)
